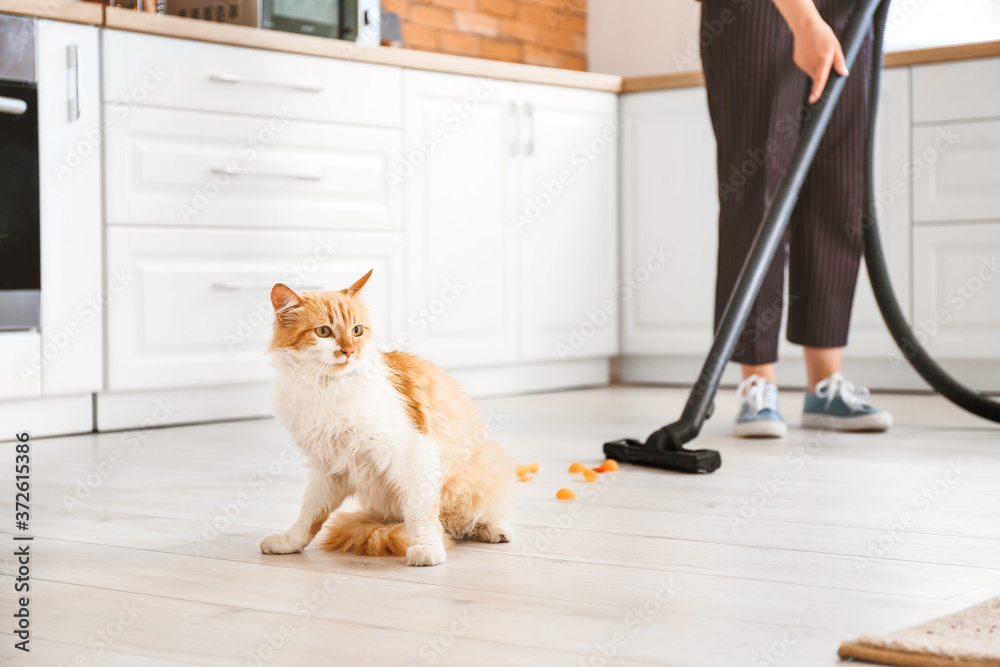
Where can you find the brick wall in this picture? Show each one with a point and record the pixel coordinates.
(552, 33)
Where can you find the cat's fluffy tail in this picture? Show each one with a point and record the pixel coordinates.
(361, 533)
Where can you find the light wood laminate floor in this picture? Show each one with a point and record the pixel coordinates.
(793, 546)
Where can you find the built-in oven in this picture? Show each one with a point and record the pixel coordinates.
(20, 220)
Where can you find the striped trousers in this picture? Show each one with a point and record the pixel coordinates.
(757, 101)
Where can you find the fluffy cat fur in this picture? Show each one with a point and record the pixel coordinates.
(391, 429)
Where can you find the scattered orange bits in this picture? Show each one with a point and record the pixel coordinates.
(522, 470)
(526, 478)
(577, 467)
(590, 475)
(611, 465)
(565, 494)
(533, 467)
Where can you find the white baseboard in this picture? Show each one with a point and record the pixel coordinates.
(533, 378)
(47, 416)
(879, 374)
(193, 405)
(189, 405)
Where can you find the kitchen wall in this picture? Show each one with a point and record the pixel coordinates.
(643, 37)
(552, 33)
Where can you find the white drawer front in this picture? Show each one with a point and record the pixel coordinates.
(956, 287)
(953, 91)
(191, 307)
(162, 71)
(21, 364)
(195, 168)
(956, 171)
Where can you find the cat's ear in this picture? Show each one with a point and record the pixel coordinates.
(284, 299)
(356, 287)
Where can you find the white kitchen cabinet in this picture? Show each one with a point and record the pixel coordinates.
(167, 166)
(669, 206)
(70, 354)
(956, 282)
(186, 74)
(191, 307)
(565, 220)
(510, 227)
(458, 170)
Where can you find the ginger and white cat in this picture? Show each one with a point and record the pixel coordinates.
(391, 429)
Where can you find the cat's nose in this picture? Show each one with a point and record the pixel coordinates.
(347, 351)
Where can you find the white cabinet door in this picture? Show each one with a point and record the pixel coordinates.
(457, 170)
(191, 307)
(956, 283)
(166, 166)
(565, 219)
(869, 338)
(669, 206)
(70, 156)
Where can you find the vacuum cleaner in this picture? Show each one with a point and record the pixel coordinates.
(664, 448)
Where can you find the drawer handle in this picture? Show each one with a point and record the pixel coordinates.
(236, 285)
(242, 171)
(239, 78)
(12, 106)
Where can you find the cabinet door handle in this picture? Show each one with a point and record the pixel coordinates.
(529, 115)
(515, 137)
(239, 78)
(73, 64)
(243, 171)
(12, 106)
(263, 284)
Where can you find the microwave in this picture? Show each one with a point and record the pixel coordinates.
(352, 20)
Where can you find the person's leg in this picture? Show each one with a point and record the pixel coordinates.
(765, 371)
(821, 363)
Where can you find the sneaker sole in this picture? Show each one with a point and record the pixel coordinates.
(761, 429)
(871, 423)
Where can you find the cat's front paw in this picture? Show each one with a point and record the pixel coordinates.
(425, 554)
(495, 532)
(281, 543)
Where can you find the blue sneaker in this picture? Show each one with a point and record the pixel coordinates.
(759, 415)
(839, 405)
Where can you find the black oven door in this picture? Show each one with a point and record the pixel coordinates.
(20, 243)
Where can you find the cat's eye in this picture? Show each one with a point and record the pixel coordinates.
(358, 330)
(323, 332)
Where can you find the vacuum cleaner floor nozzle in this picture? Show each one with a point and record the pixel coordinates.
(629, 450)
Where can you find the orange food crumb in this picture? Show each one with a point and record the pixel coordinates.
(565, 494)
(522, 470)
(533, 467)
(610, 464)
(526, 478)
(590, 475)
(577, 467)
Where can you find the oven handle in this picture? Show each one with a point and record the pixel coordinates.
(12, 106)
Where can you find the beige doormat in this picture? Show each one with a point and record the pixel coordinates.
(969, 638)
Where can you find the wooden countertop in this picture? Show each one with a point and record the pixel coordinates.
(70, 11)
(896, 59)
